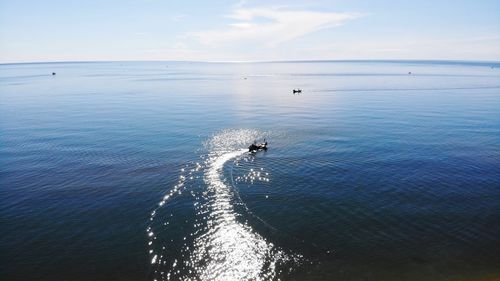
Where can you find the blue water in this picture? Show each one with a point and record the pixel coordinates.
(137, 171)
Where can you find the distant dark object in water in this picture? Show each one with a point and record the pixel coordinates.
(53, 73)
(254, 147)
(409, 72)
(297, 91)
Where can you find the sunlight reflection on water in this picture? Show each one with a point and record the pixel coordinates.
(223, 247)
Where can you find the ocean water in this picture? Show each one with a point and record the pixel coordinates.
(139, 171)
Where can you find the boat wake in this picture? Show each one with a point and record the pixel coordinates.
(196, 233)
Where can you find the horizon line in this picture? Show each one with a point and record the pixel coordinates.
(442, 61)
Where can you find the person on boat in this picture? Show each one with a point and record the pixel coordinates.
(254, 146)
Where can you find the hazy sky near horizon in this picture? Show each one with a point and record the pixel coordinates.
(70, 30)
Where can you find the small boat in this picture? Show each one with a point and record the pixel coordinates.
(297, 91)
(254, 147)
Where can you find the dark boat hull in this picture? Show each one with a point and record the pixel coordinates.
(257, 147)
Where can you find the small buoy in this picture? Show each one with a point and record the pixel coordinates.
(53, 73)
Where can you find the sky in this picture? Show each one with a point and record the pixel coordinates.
(223, 30)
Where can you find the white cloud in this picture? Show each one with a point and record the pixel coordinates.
(270, 26)
(177, 18)
(472, 48)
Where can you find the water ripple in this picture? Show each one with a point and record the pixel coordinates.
(218, 243)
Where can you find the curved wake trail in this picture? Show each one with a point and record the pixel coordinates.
(214, 241)
(230, 250)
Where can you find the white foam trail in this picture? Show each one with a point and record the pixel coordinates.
(221, 245)
(230, 250)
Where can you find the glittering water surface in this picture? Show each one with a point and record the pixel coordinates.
(139, 171)
(222, 245)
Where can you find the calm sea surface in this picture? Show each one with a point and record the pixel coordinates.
(138, 171)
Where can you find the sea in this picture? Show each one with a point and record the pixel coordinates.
(376, 170)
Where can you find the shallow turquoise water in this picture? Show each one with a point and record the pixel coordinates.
(372, 173)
